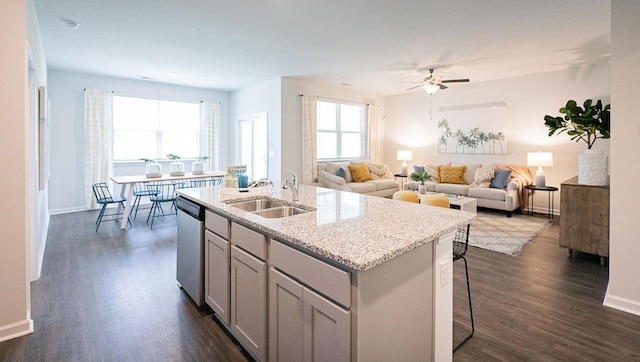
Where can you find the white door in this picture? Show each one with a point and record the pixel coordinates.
(252, 141)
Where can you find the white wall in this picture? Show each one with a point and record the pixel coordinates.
(409, 124)
(624, 289)
(67, 128)
(292, 120)
(259, 98)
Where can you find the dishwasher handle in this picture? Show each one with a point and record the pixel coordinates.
(191, 208)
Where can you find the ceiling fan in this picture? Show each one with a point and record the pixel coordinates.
(432, 83)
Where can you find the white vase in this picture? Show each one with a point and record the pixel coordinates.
(198, 167)
(422, 189)
(176, 168)
(153, 169)
(592, 168)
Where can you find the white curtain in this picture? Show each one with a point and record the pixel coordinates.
(209, 129)
(98, 140)
(309, 152)
(373, 135)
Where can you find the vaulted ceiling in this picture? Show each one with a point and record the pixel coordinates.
(371, 45)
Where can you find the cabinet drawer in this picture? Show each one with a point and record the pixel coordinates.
(216, 223)
(249, 240)
(326, 279)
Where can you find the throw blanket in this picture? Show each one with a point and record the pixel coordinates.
(523, 177)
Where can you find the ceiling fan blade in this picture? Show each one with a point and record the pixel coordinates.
(442, 86)
(418, 86)
(455, 81)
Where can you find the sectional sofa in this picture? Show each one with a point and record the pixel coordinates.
(494, 186)
(338, 176)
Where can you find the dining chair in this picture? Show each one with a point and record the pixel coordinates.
(460, 246)
(165, 192)
(104, 198)
(204, 182)
(140, 191)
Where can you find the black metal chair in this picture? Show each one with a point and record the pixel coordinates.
(164, 192)
(460, 246)
(140, 191)
(104, 198)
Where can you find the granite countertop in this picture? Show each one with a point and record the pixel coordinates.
(356, 231)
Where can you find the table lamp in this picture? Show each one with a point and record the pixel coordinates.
(404, 156)
(540, 159)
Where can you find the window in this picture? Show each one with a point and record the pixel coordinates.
(150, 128)
(341, 131)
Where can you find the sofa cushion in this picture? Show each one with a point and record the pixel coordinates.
(362, 187)
(360, 172)
(378, 171)
(482, 177)
(383, 184)
(333, 167)
(434, 171)
(455, 189)
(487, 193)
(417, 168)
(501, 179)
(452, 174)
(470, 172)
(413, 185)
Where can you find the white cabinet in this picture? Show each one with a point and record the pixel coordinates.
(218, 253)
(303, 325)
(249, 301)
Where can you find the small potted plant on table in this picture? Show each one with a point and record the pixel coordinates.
(152, 168)
(421, 176)
(198, 166)
(176, 168)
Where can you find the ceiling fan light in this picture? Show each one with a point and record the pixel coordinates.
(430, 88)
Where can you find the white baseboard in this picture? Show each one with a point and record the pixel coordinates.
(67, 210)
(15, 330)
(623, 304)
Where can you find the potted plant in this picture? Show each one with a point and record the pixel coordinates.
(587, 123)
(198, 166)
(152, 168)
(421, 176)
(176, 168)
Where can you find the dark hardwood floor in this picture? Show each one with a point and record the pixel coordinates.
(112, 295)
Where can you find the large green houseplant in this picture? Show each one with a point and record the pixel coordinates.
(587, 123)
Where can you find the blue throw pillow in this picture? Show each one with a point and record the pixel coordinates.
(342, 173)
(501, 179)
(418, 168)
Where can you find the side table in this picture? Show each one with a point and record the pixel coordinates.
(403, 180)
(551, 197)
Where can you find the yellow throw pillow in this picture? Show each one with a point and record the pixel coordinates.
(452, 174)
(360, 172)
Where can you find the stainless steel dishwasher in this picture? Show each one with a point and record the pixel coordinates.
(190, 249)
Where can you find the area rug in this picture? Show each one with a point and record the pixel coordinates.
(496, 232)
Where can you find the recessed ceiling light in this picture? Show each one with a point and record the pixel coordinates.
(347, 84)
(70, 23)
(172, 74)
(147, 78)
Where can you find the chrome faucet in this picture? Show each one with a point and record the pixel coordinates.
(293, 184)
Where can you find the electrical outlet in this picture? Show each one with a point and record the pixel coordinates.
(444, 273)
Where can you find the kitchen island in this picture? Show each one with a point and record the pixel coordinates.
(355, 278)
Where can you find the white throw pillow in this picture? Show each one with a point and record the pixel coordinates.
(482, 177)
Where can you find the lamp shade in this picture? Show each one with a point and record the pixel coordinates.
(430, 88)
(537, 159)
(405, 155)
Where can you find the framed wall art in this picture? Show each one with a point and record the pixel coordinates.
(474, 128)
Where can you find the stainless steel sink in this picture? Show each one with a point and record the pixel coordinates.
(268, 208)
(281, 211)
(257, 205)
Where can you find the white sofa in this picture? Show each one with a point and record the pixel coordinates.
(382, 184)
(507, 199)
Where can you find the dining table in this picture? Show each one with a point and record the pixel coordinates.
(128, 182)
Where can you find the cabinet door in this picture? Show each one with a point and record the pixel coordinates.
(217, 275)
(285, 318)
(249, 301)
(326, 329)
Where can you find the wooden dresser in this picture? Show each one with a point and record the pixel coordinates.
(584, 218)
